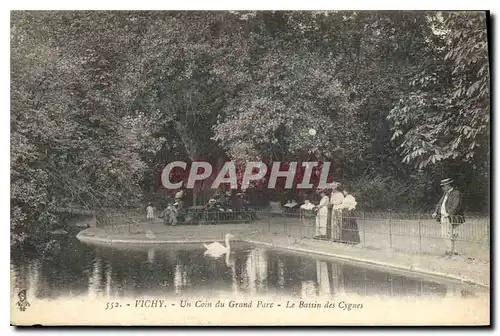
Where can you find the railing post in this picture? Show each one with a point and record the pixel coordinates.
(269, 222)
(390, 230)
(419, 233)
(308, 227)
(300, 223)
(329, 223)
(364, 228)
(283, 219)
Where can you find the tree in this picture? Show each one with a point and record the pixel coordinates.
(445, 115)
(101, 101)
(71, 139)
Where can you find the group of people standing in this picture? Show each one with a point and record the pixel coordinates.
(334, 215)
(336, 221)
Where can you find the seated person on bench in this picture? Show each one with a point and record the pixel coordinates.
(291, 206)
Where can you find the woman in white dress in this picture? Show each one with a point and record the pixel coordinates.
(322, 215)
(350, 231)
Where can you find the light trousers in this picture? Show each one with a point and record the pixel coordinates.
(447, 233)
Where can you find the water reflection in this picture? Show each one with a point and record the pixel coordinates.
(33, 278)
(281, 273)
(186, 270)
(95, 278)
(308, 289)
(257, 268)
(337, 279)
(180, 278)
(108, 287)
(231, 264)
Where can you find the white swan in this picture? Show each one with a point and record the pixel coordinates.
(216, 249)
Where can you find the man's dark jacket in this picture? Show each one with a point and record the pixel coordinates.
(454, 207)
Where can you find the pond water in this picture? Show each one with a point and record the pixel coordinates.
(75, 269)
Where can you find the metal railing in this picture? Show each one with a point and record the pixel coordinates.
(116, 221)
(414, 233)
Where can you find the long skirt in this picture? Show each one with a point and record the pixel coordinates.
(321, 221)
(336, 225)
(350, 231)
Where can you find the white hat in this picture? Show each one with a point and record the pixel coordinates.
(446, 181)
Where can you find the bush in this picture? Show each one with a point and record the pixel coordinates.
(382, 193)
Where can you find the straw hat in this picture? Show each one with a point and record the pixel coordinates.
(334, 185)
(446, 181)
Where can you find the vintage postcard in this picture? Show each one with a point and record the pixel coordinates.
(228, 168)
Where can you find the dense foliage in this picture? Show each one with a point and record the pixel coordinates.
(101, 101)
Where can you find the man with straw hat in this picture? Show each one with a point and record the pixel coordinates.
(449, 213)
